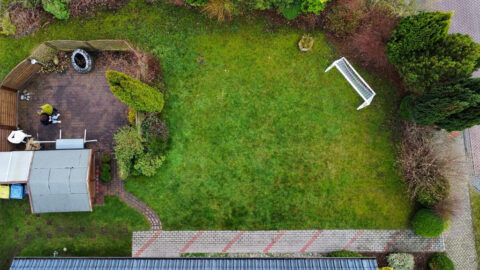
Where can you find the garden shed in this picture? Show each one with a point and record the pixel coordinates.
(15, 167)
(62, 181)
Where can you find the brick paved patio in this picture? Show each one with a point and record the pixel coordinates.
(175, 243)
(84, 102)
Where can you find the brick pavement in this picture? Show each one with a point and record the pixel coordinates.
(175, 243)
(117, 188)
(460, 239)
(84, 102)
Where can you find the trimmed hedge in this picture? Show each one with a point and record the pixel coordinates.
(440, 261)
(425, 223)
(344, 254)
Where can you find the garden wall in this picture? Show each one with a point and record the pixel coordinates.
(91, 45)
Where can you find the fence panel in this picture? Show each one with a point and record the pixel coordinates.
(20, 75)
(8, 108)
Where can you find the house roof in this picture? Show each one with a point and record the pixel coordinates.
(195, 263)
(15, 166)
(59, 181)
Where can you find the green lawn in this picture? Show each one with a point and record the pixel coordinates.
(107, 231)
(261, 137)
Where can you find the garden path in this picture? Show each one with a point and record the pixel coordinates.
(295, 242)
(460, 238)
(116, 187)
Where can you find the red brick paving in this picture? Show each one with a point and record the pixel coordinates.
(84, 102)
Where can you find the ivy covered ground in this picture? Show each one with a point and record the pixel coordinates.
(260, 136)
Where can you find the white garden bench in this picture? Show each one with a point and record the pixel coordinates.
(362, 88)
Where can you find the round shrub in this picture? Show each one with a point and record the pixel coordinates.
(440, 262)
(106, 158)
(344, 254)
(105, 176)
(427, 224)
(401, 261)
(106, 167)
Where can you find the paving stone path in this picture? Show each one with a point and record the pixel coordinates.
(176, 243)
(460, 239)
(117, 188)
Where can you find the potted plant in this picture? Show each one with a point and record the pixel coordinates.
(306, 43)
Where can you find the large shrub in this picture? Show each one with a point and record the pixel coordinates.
(59, 8)
(423, 168)
(445, 100)
(135, 93)
(401, 261)
(417, 33)
(440, 262)
(426, 223)
(425, 55)
(452, 106)
(344, 254)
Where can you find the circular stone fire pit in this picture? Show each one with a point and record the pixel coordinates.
(82, 61)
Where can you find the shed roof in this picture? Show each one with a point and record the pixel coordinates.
(195, 263)
(59, 181)
(15, 166)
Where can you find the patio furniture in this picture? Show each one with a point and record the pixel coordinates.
(70, 143)
(17, 137)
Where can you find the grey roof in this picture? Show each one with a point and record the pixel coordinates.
(58, 181)
(195, 263)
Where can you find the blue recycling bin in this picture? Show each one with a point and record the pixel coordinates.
(17, 191)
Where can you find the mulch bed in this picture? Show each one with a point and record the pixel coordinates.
(421, 259)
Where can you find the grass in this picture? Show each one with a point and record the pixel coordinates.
(261, 137)
(104, 232)
(475, 202)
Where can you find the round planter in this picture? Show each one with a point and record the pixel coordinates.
(305, 44)
(81, 61)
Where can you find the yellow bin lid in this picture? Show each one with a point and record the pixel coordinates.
(4, 192)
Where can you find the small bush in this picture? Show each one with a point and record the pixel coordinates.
(401, 261)
(218, 9)
(306, 43)
(132, 114)
(344, 254)
(135, 93)
(106, 166)
(292, 11)
(106, 159)
(148, 164)
(440, 262)
(6, 26)
(106, 176)
(59, 8)
(425, 223)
